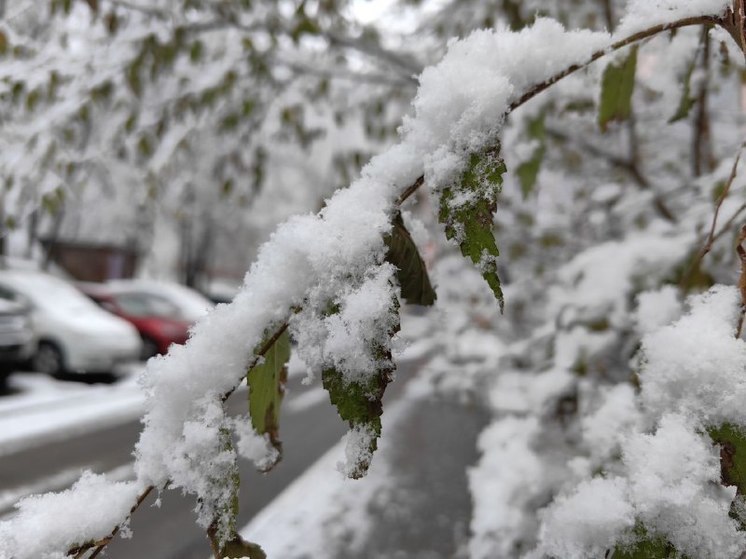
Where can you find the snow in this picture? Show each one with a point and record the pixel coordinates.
(696, 364)
(674, 483)
(588, 521)
(319, 506)
(508, 476)
(657, 308)
(462, 100)
(258, 448)
(86, 512)
(334, 261)
(642, 14)
(47, 410)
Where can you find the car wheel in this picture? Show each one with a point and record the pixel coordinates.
(48, 359)
(149, 348)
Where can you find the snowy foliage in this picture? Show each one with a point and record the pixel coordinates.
(581, 457)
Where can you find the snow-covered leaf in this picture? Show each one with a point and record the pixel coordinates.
(732, 441)
(359, 403)
(466, 209)
(238, 548)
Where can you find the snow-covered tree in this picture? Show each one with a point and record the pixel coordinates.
(605, 163)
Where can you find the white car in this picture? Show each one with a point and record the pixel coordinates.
(75, 335)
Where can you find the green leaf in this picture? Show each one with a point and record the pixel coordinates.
(732, 441)
(359, 403)
(238, 548)
(225, 486)
(466, 210)
(646, 546)
(617, 86)
(411, 272)
(305, 26)
(266, 387)
(528, 171)
(648, 549)
(686, 102)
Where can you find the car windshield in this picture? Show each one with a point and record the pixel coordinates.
(146, 304)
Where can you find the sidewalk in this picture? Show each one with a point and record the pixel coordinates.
(414, 503)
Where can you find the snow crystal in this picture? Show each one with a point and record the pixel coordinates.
(674, 482)
(616, 417)
(697, 365)
(657, 308)
(353, 338)
(47, 524)
(253, 446)
(586, 523)
(358, 453)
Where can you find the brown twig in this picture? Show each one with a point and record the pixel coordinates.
(98, 546)
(741, 279)
(702, 159)
(634, 38)
(263, 349)
(712, 236)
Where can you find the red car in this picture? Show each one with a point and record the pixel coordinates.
(159, 321)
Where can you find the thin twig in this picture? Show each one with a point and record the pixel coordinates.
(636, 37)
(102, 543)
(741, 279)
(266, 346)
(702, 159)
(712, 236)
(411, 189)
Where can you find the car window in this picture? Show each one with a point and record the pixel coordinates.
(145, 304)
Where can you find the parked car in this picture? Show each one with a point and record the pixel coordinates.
(75, 335)
(162, 312)
(18, 340)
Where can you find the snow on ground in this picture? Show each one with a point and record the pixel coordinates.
(322, 507)
(41, 409)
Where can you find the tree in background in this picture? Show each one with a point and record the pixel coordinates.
(616, 400)
(188, 107)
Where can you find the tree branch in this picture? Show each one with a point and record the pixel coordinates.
(635, 38)
(702, 159)
(712, 236)
(80, 551)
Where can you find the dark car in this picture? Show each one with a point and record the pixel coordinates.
(18, 339)
(159, 321)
